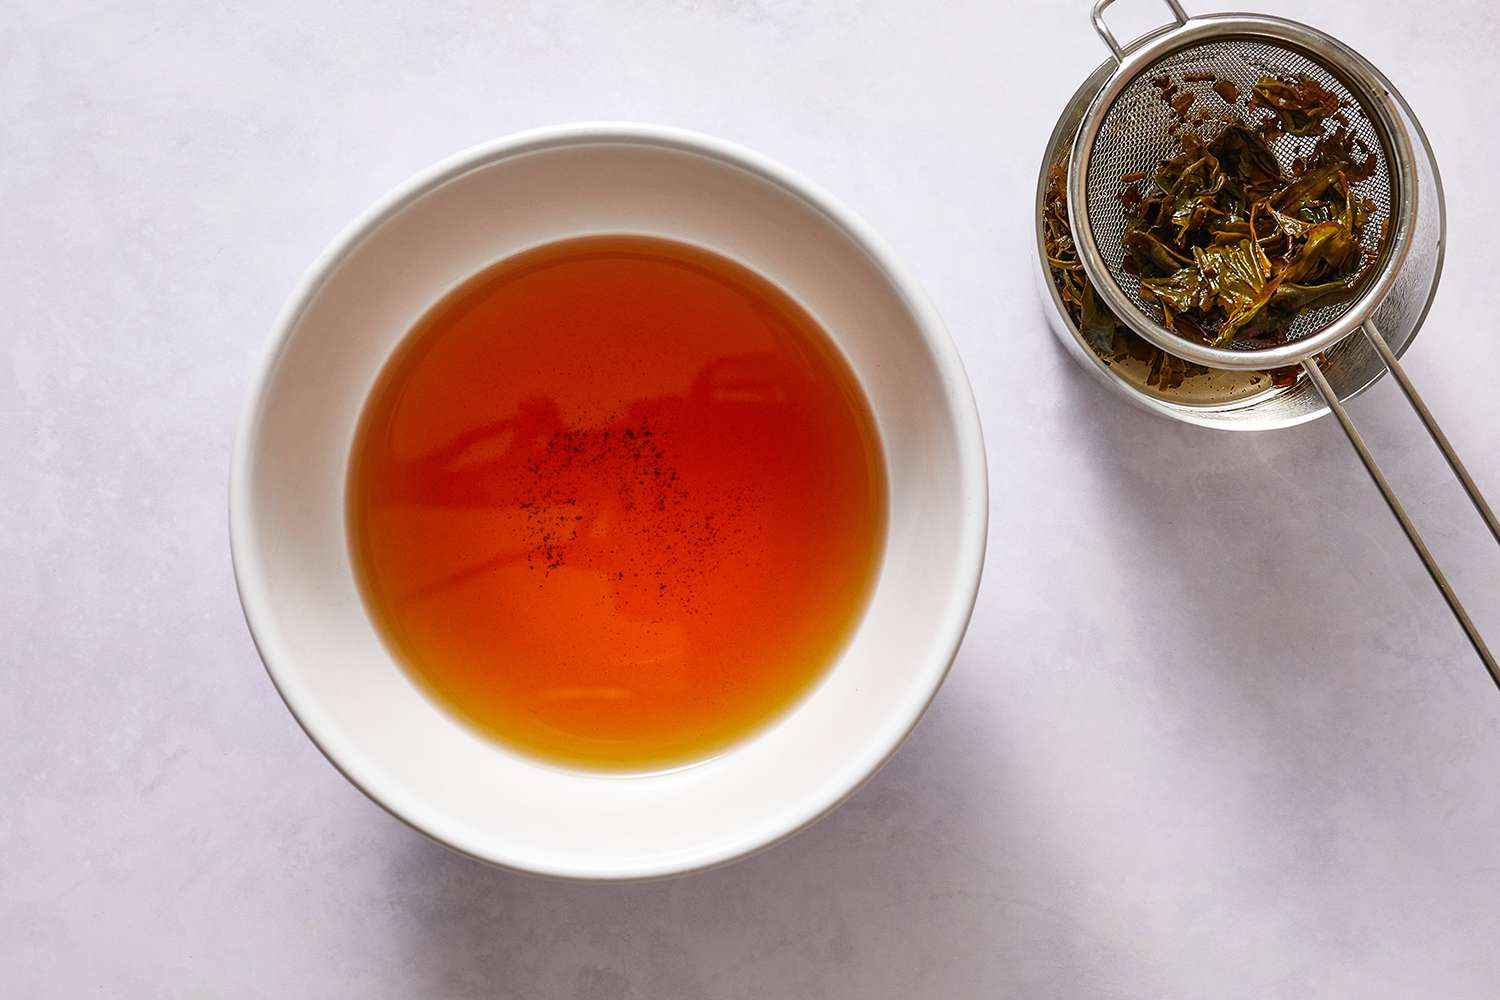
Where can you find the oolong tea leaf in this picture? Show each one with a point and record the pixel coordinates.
(1232, 246)
(1301, 102)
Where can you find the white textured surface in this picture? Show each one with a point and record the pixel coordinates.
(1212, 734)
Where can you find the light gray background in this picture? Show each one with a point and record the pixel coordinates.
(1213, 733)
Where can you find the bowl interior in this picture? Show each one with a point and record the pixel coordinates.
(287, 503)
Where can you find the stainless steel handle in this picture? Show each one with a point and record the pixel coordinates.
(1314, 373)
(1438, 437)
(1115, 48)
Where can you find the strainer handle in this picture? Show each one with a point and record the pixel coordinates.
(1440, 439)
(1115, 47)
(1315, 374)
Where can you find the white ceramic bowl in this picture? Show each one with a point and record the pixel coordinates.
(287, 501)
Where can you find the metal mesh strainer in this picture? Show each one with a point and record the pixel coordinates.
(1137, 132)
(1129, 129)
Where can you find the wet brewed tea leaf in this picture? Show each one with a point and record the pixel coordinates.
(1233, 246)
(1300, 102)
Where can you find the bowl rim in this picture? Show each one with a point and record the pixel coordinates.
(251, 579)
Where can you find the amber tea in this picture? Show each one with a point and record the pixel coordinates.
(617, 502)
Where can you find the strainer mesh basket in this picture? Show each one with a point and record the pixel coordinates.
(1140, 129)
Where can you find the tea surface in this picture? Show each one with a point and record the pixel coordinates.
(617, 502)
